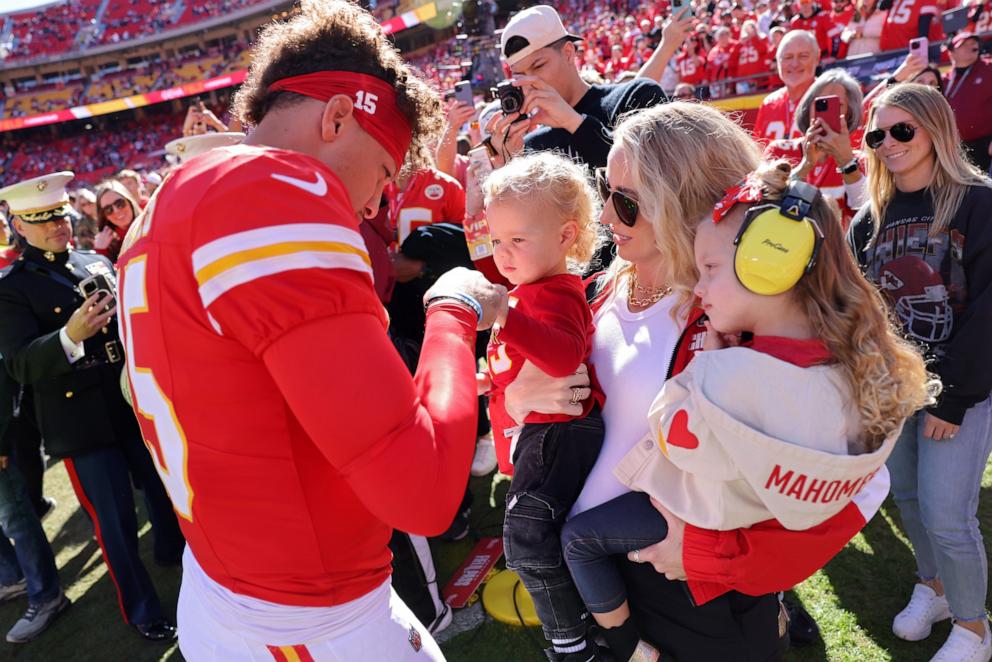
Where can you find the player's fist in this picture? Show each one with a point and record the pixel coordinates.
(472, 283)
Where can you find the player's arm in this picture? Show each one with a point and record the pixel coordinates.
(766, 557)
(406, 455)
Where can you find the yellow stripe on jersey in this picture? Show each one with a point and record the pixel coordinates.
(290, 653)
(242, 257)
(223, 264)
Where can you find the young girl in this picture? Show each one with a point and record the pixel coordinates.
(542, 213)
(924, 240)
(789, 427)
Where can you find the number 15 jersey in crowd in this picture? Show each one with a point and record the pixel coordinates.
(240, 246)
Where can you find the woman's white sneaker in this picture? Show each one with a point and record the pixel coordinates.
(963, 645)
(924, 609)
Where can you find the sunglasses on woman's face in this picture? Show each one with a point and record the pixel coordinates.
(902, 132)
(624, 205)
(118, 204)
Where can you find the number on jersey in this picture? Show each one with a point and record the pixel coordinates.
(160, 428)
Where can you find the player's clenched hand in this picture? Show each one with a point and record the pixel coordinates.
(465, 281)
(89, 318)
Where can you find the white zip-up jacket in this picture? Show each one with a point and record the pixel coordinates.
(742, 436)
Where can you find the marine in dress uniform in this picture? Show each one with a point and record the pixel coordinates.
(68, 350)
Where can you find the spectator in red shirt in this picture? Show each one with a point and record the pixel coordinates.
(617, 64)
(968, 88)
(796, 59)
(909, 19)
(748, 57)
(813, 19)
(840, 16)
(690, 64)
(718, 61)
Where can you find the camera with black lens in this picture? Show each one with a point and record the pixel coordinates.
(511, 98)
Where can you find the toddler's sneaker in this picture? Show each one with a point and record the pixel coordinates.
(484, 461)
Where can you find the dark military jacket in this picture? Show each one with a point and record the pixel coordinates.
(78, 405)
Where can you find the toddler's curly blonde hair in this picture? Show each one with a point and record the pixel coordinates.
(552, 183)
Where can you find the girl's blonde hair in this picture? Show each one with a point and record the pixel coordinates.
(953, 173)
(681, 157)
(548, 182)
(886, 373)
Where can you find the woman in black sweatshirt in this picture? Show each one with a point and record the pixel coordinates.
(926, 241)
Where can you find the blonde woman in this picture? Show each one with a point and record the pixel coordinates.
(668, 167)
(924, 240)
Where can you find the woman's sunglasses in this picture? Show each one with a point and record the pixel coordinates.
(902, 132)
(119, 203)
(625, 206)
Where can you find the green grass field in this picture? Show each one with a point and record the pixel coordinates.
(853, 599)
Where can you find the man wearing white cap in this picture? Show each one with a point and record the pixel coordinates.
(185, 148)
(573, 116)
(59, 335)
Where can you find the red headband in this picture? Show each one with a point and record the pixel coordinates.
(375, 104)
(748, 191)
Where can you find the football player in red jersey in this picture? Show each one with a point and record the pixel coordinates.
(255, 339)
(796, 58)
(909, 19)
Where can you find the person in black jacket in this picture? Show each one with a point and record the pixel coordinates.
(66, 347)
(926, 241)
(564, 112)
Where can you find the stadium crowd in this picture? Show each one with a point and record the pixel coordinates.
(673, 242)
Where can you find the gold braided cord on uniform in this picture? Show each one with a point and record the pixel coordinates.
(44, 214)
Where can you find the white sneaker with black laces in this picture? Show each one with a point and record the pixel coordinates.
(484, 461)
(963, 645)
(15, 590)
(37, 619)
(925, 608)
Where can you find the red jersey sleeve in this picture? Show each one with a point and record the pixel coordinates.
(407, 457)
(551, 325)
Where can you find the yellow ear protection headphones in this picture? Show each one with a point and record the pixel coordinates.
(778, 243)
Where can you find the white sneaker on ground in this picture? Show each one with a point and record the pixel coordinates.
(15, 590)
(485, 456)
(37, 619)
(963, 645)
(924, 609)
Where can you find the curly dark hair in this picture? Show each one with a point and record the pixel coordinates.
(336, 35)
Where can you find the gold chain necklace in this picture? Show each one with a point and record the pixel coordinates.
(653, 297)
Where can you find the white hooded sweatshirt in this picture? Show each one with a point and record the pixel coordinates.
(743, 436)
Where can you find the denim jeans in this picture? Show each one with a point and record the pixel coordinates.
(30, 556)
(936, 486)
(550, 465)
(591, 539)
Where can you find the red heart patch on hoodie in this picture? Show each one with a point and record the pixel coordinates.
(679, 434)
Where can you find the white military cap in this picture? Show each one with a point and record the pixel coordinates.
(187, 147)
(39, 199)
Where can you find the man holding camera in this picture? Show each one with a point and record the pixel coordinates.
(59, 335)
(568, 114)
